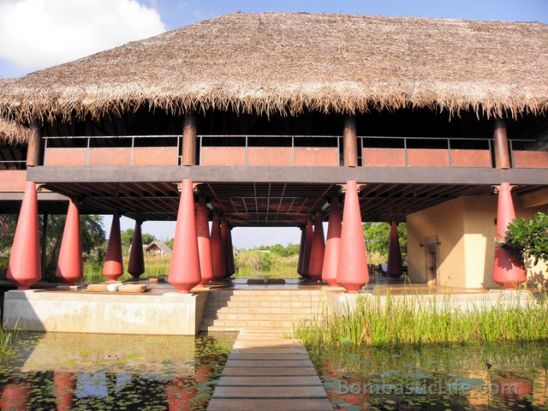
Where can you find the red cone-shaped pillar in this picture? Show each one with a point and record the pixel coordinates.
(331, 255)
(24, 267)
(217, 248)
(114, 266)
(394, 252)
(301, 252)
(136, 263)
(204, 243)
(352, 273)
(232, 268)
(224, 244)
(507, 271)
(69, 263)
(64, 386)
(15, 397)
(184, 269)
(308, 235)
(317, 250)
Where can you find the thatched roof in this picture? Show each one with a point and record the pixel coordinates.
(287, 63)
(10, 131)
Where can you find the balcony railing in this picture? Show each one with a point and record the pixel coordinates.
(286, 150)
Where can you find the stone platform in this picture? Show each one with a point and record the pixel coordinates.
(162, 311)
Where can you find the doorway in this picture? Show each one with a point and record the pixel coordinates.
(431, 259)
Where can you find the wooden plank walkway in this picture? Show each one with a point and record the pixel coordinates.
(264, 372)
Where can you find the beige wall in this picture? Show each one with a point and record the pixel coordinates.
(465, 230)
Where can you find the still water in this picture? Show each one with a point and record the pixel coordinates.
(503, 376)
(111, 372)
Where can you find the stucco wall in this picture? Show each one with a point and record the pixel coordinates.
(465, 228)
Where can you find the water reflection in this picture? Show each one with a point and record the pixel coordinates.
(505, 376)
(100, 371)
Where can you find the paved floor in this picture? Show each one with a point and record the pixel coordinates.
(264, 373)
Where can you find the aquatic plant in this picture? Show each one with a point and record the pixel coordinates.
(393, 320)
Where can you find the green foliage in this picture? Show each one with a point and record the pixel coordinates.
(169, 243)
(127, 236)
(284, 251)
(377, 238)
(408, 320)
(528, 238)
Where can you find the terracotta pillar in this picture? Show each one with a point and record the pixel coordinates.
(301, 251)
(394, 252)
(232, 267)
(309, 232)
(507, 270)
(224, 248)
(217, 248)
(64, 384)
(350, 142)
(204, 243)
(352, 273)
(500, 139)
(114, 266)
(15, 397)
(189, 141)
(69, 262)
(136, 263)
(184, 269)
(317, 250)
(24, 266)
(331, 255)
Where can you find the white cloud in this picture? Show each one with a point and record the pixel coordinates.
(40, 33)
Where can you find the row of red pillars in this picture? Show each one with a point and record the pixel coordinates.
(197, 257)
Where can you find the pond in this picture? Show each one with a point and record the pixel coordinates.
(111, 372)
(505, 376)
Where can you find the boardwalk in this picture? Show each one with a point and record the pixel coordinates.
(264, 372)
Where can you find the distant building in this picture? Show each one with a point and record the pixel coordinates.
(157, 249)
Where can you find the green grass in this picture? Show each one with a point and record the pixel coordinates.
(154, 267)
(265, 264)
(6, 341)
(406, 321)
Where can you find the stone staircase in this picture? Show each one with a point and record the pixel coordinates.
(261, 310)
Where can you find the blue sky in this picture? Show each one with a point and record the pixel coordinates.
(35, 34)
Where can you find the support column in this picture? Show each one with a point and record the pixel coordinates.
(500, 138)
(69, 262)
(136, 263)
(33, 145)
(394, 269)
(224, 247)
(24, 266)
(309, 232)
(350, 143)
(216, 248)
(204, 243)
(331, 255)
(301, 251)
(352, 272)
(317, 250)
(15, 396)
(232, 267)
(114, 266)
(184, 269)
(64, 385)
(507, 271)
(189, 141)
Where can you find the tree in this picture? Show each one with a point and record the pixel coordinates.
(377, 238)
(528, 239)
(92, 236)
(127, 237)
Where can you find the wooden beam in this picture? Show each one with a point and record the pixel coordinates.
(502, 154)
(350, 142)
(535, 199)
(33, 147)
(189, 141)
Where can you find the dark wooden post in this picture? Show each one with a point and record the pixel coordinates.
(33, 147)
(350, 142)
(189, 141)
(502, 154)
